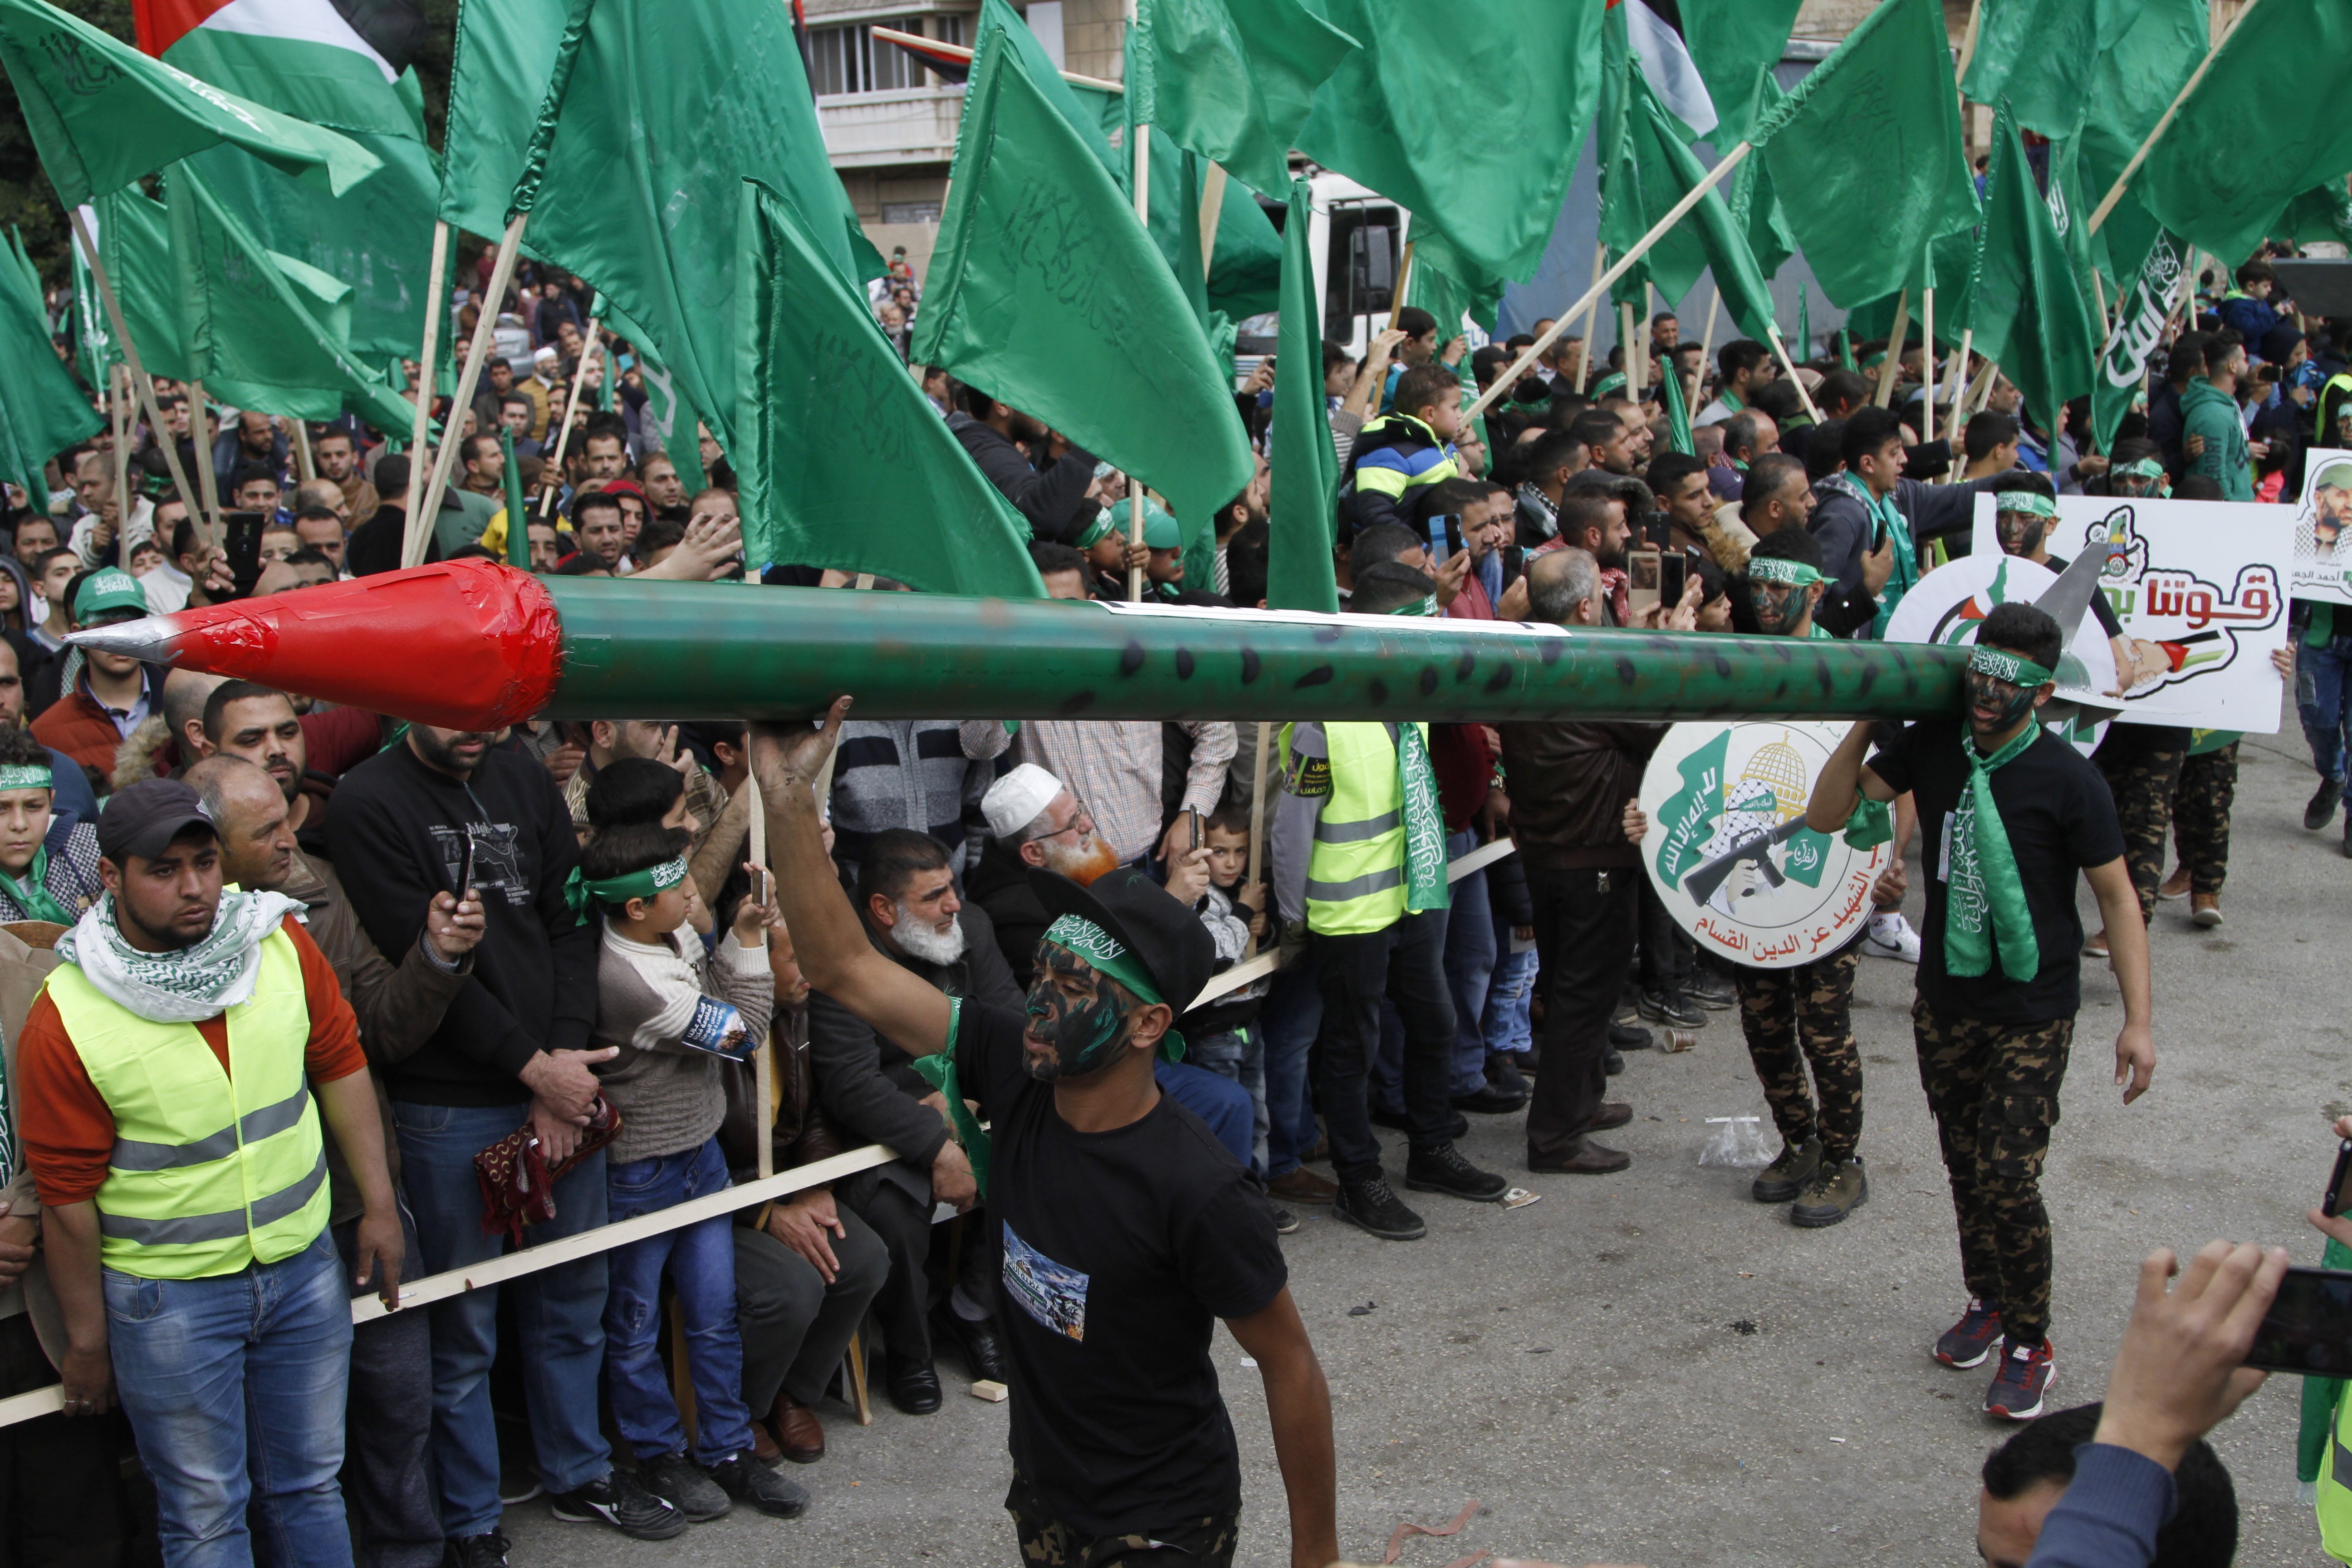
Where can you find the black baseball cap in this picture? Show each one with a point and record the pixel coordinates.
(1165, 937)
(144, 818)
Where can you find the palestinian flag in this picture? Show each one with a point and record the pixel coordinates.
(950, 62)
(333, 62)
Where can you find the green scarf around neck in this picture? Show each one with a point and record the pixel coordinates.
(32, 893)
(1985, 904)
(1425, 887)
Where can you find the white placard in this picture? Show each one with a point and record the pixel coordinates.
(1713, 791)
(2196, 586)
(1945, 606)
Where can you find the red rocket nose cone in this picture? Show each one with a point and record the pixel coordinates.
(468, 645)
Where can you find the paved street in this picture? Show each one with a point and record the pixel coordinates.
(1650, 1368)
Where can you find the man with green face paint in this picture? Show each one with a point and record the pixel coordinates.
(2009, 813)
(1127, 1230)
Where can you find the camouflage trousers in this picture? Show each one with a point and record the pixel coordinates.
(2200, 816)
(2142, 764)
(1047, 1542)
(1993, 1089)
(1792, 1017)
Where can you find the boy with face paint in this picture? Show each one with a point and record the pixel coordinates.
(2009, 813)
(1126, 1231)
(1793, 1018)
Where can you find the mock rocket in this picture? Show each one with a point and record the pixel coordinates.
(474, 644)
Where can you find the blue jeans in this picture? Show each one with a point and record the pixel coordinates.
(2323, 700)
(1223, 1104)
(560, 1312)
(235, 1387)
(1287, 1024)
(1470, 951)
(1239, 1055)
(1510, 993)
(699, 1260)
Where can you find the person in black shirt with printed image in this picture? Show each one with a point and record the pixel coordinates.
(1127, 1229)
(2009, 813)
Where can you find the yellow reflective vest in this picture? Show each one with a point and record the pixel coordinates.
(1355, 873)
(210, 1172)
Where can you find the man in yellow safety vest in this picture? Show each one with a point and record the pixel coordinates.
(180, 1072)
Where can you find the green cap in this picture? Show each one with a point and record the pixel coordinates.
(2335, 477)
(1160, 530)
(110, 589)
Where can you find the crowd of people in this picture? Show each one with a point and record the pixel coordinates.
(554, 956)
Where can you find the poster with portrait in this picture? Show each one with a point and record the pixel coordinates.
(2323, 555)
(2196, 587)
(1729, 852)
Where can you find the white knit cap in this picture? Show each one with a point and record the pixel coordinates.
(1015, 801)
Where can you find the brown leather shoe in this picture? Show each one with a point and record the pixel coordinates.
(1302, 1187)
(763, 1445)
(1322, 1150)
(1613, 1113)
(799, 1434)
(1590, 1158)
(2205, 909)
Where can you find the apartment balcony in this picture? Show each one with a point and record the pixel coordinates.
(913, 125)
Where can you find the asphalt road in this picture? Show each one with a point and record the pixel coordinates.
(1650, 1368)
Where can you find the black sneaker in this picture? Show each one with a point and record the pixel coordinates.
(1488, 1099)
(1503, 1072)
(747, 1481)
(486, 1550)
(1371, 1206)
(1614, 1062)
(680, 1482)
(1284, 1222)
(1443, 1169)
(1711, 991)
(1629, 1037)
(2320, 810)
(1671, 1007)
(617, 1499)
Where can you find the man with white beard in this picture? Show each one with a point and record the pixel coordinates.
(914, 916)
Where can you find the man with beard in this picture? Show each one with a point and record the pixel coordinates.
(2009, 813)
(511, 1053)
(1127, 1232)
(914, 917)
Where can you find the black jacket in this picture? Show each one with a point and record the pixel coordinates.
(397, 830)
(1054, 499)
(868, 1085)
(999, 885)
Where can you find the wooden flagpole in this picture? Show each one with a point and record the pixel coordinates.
(1705, 348)
(1959, 390)
(207, 484)
(2115, 191)
(139, 383)
(1212, 205)
(1592, 320)
(1141, 151)
(1788, 369)
(412, 553)
(1891, 365)
(1927, 360)
(1510, 377)
(553, 476)
(435, 306)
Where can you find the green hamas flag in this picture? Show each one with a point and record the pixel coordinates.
(1677, 407)
(1305, 470)
(102, 114)
(655, 115)
(1866, 155)
(1655, 171)
(1044, 286)
(1735, 44)
(2140, 318)
(1470, 116)
(2198, 180)
(42, 412)
(888, 490)
(2042, 54)
(265, 331)
(505, 55)
(2029, 315)
(1687, 821)
(1233, 82)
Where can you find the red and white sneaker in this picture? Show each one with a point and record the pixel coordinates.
(1967, 1343)
(2018, 1387)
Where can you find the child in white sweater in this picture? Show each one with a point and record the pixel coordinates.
(676, 1016)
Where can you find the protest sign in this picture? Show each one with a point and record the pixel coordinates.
(1729, 852)
(2322, 571)
(2197, 588)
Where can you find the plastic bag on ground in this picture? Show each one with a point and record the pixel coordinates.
(1737, 1143)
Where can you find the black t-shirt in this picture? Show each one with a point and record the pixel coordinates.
(2060, 818)
(1121, 1251)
